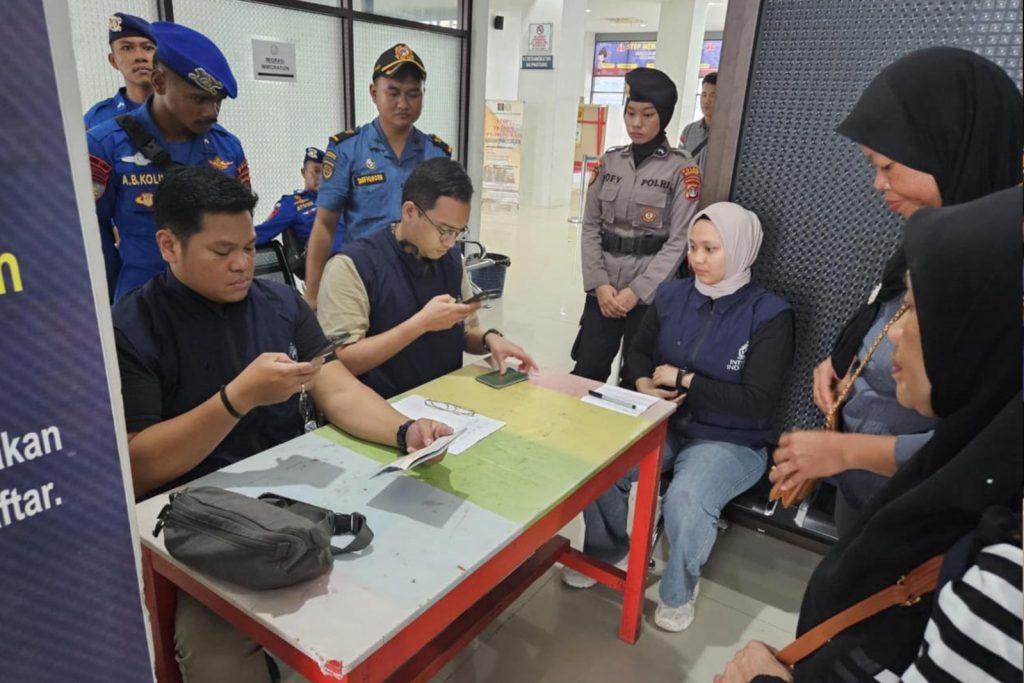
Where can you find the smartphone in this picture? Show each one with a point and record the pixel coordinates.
(333, 343)
(497, 380)
(485, 295)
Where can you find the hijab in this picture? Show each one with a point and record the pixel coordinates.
(964, 264)
(740, 232)
(651, 86)
(946, 112)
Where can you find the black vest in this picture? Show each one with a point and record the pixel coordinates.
(399, 285)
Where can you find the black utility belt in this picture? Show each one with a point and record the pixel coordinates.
(641, 245)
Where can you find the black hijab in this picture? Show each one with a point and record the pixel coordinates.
(964, 264)
(654, 87)
(946, 112)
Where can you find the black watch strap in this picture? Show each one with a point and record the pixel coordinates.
(483, 339)
(403, 431)
(227, 404)
(680, 387)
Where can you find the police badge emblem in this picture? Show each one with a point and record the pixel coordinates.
(205, 81)
(648, 215)
(114, 24)
(371, 164)
(402, 52)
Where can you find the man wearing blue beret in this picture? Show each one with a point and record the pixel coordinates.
(293, 215)
(177, 126)
(365, 168)
(131, 53)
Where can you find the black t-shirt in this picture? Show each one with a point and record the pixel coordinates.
(176, 349)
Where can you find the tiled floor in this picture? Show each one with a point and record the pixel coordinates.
(752, 584)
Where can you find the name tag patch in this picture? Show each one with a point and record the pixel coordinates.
(372, 179)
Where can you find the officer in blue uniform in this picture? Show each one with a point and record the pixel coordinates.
(131, 52)
(177, 126)
(365, 168)
(293, 215)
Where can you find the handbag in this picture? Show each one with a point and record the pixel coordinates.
(833, 419)
(906, 592)
(269, 542)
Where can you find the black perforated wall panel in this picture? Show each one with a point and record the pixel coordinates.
(827, 234)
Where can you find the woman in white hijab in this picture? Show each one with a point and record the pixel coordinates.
(720, 346)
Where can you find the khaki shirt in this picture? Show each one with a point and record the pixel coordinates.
(659, 198)
(344, 306)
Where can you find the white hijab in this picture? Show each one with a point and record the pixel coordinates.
(740, 232)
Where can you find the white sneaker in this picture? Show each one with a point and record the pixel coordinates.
(575, 579)
(676, 619)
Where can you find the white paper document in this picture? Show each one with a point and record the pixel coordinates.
(422, 455)
(473, 427)
(620, 400)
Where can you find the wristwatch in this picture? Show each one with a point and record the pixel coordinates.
(403, 447)
(483, 339)
(680, 387)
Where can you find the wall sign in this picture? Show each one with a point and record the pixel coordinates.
(273, 61)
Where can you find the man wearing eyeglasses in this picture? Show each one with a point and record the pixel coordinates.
(398, 292)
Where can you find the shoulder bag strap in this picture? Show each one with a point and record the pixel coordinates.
(341, 523)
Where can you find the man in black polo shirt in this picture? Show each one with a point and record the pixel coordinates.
(398, 292)
(213, 365)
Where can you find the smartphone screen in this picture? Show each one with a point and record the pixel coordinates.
(499, 381)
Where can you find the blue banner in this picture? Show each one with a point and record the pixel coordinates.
(69, 593)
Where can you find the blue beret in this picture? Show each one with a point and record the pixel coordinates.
(194, 57)
(121, 25)
(313, 154)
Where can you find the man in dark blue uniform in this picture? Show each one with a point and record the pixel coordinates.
(214, 365)
(131, 52)
(398, 292)
(177, 126)
(365, 168)
(293, 215)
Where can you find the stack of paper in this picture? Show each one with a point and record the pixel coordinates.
(472, 427)
(421, 456)
(620, 400)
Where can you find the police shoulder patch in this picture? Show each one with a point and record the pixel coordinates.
(344, 135)
(595, 171)
(445, 147)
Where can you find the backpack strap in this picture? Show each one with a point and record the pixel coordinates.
(341, 523)
(145, 143)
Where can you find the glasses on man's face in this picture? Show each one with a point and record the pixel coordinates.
(447, 234)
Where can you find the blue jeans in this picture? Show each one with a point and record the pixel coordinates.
(706, 476)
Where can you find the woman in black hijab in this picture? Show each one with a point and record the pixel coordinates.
(958, 357)
(942, 126)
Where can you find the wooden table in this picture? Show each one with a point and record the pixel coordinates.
(455, 542)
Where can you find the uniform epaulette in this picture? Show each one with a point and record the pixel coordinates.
(445, 147)
(615, 149)
(344, 135)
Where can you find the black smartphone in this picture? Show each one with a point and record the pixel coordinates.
(485, 295)
(333, 343)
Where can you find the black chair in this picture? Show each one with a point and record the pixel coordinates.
(272, 264)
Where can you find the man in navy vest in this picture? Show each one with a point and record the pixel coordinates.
(397, 292)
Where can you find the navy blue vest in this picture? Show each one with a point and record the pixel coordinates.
(711, 337)
(399, 285)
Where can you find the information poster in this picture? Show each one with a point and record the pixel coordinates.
(69, 592)
(503, 138)
(618, 59)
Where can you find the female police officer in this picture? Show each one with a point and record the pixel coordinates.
(641, 198)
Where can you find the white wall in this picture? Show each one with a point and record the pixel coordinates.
(503, 51)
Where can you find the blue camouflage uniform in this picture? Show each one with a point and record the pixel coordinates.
(294, 213)
(119, 25)
(363, 180)
(124, 180)
(104, 110)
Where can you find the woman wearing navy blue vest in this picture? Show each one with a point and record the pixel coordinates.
(720, 346)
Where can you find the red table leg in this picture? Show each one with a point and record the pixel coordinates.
(640, 537)
(161, 601)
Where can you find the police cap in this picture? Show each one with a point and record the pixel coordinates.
(394, 58)
(653, 86)
(313, 154)
(194, 57)
(121, 25)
